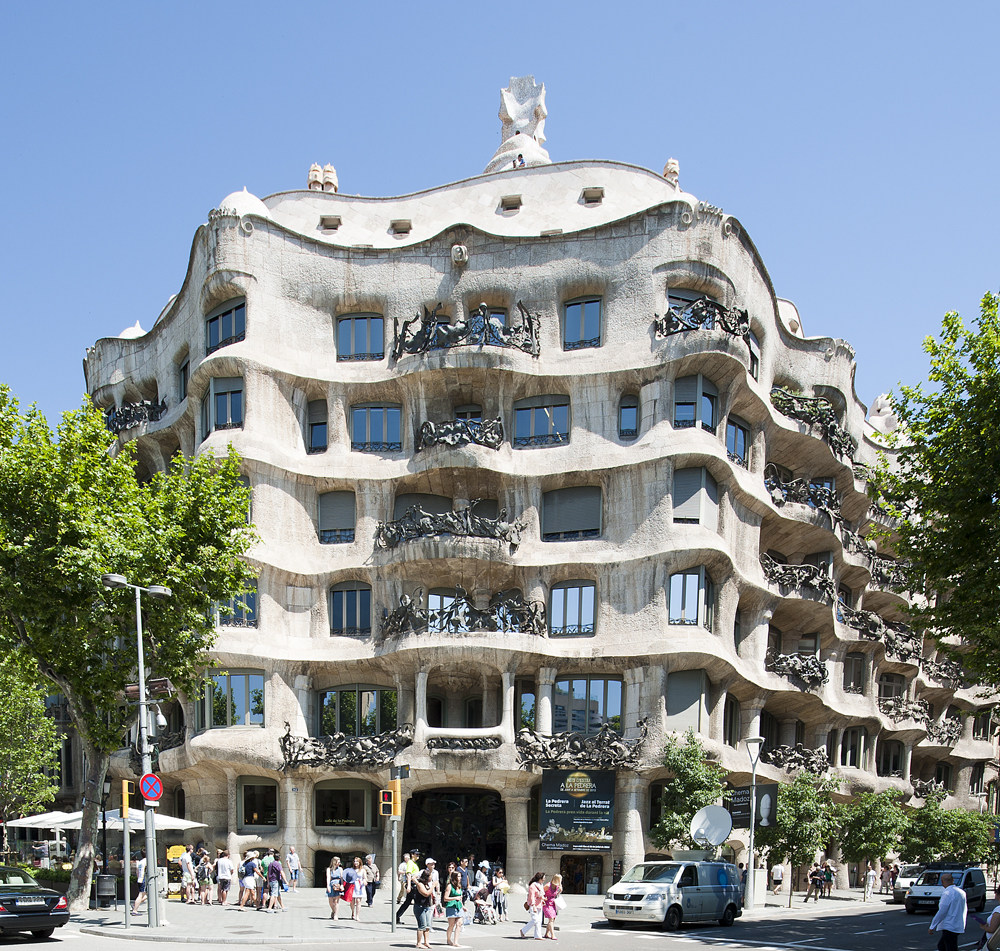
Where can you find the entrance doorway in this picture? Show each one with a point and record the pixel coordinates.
(453, 823)
(581, 874)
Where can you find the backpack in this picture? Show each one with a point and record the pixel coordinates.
(203, 872)
(246, 869)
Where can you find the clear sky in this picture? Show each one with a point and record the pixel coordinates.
(856, 142)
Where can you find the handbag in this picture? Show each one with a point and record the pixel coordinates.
(560, 903)
(527, 906)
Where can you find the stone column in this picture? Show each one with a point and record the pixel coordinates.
(631, 795)
(519, 858)
(420, 721)
(303, 694)
(297, 795)
(405, 702)
(543, 699)
(838, 738)
(750, 721)
(717, 693)
(786, 732)
(907, 760)
(508, 698)
(655, 705)
(234, 840)
(631, 706)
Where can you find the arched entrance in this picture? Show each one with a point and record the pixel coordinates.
(453, 823)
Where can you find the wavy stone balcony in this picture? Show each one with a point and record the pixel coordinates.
(806, 668)
(819, 412)
(507, 612)
(431, 332)
(793, 577)
(900, 642)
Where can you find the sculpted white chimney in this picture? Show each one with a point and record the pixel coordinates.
(522, 126)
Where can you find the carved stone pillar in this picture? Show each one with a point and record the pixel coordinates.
(420, 721)
(907, 760)
(751, 719)
(508, 698)
(302, 686)
(233, 840)
(543, 699)
(631, 705)
(631, 798)
(838, 736)
(297, 794)
(655, 706)
(405, 702)
(491, 715)
(786, 732)
(717, 694)
(519, 864)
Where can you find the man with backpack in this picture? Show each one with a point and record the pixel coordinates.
(275, 879)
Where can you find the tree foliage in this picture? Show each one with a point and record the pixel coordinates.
(71, 509)
(695, 783)
(943, 488)
(29, 741)
(805, 821)
(871, 825)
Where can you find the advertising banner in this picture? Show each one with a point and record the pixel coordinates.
(577, 810)
(738, 805)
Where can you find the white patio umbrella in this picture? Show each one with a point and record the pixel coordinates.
(44, 820)
(136, 821)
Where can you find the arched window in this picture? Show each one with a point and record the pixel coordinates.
(360, 337)
(572, 608)
(233, 698)
(336, 518)
(890, 758)
(350, 609)
(541, 421)
(891, 685)
(582, 323)
(691, 598)
(853, 746)
(696, 498)
(738, 441)
(571, 513)
(316, 427)
(854, 672)
(225, 325)
(375, 427)
(696, 400)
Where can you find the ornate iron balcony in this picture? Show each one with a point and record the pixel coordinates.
(545, 439)
(461, 432)
(463, 744)
(798, 576)
(900, 708)
(571, 536)
(376, 447)
(350, 631)
(581, 344)
(928, 788)
(702, 314)
(804, 492)
(886, 573)
(816, 411)
(807, 668)
(738, 459)
(900, 642)
(946, 733)
(123, 417)
(336, 536)
(235, 338)
(430, 332)
(357, 357)
(508, 612)
(341, 750)
(606, 749)
(797, 757)
(946, 672)
(419, 523)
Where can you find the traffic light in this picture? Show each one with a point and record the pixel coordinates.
(396, 788)
(387, 802)
(127, 789)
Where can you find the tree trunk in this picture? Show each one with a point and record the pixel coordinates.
(78, 894)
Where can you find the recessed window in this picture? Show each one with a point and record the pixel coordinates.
(754, 345)
(470, 412)
(233, 698)
(852, 747)
(226, 325)
(808, 645)
(343, 804)
(982, 725)
(510, 203)
(357, 710)
(240, 611)
(854, 672)
(592, 196)
(845, 599)
(572, 607)
(329, 222)
(350, 609)
(572, 513)
(738, 441)
(731, 722)
(584, 705)
(183, 376)
(696, 400)
(628, 417)
(889, 761)
(316, 435)
(433, 504)
(977, 779)
(541, 421)
(222, 408)
(258, 803)
(769, 730)
(681, 298)
(891, 686)
(401, 226)
(942, 774)
(582, 324)
(691, 598)
(336, 518)
(375, 427)
(696, 498)
(360, 337)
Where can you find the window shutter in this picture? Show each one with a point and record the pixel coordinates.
(686, 389)
(575, 509)
(227, 384)
(336, 511)
(712, 505)
(687, 493)
(435, 504)
(317, 411)
(708, 387)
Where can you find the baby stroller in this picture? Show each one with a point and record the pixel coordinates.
(485, 913)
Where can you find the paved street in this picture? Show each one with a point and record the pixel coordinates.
(839, 924)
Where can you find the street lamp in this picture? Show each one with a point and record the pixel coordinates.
(754, 744)
(154, 591)
(104, 815)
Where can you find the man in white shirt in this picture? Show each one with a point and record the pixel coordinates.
(294, 866)
(950, 917)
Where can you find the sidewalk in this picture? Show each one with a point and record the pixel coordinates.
(306, 920)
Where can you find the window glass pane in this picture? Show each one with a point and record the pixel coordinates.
(591, 319)
(392, 424)
(236, 407)
(256, 699)
(526, 711)
(386, 711)
(359, 424)
(213, 334)
(317, 436)
(220, 700)
(365, 609)
(348, 712)
(344, 344)
(340, 807)
(367, 713)
(560, 419)
(708, 410)
(260, 805)
(328, 713)
(628, 418)
(684, 598)
(684, 413)
(376, 424)
(613, 709)
(375, 335)
(522, 423)
(221, 409)
(239, 699)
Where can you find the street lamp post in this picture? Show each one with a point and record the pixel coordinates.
(154, 591)
(754, 743)
(104, 818)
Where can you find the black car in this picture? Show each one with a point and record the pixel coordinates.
(26, 906)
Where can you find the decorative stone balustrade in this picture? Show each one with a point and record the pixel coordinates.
(816, 411)
(898, 709)
(606, 749)
(508, 611)
(798, 576)
(945, 672)
(702, 314)
(798, 757)
(419, 523)
(461, 432)
(424, 334)
(946, 733)
(807, 668)
(340, 750)
(803, 491)
(123, 417)
(463, 744)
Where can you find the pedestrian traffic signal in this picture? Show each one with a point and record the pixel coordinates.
(396, 787)
(387, 802)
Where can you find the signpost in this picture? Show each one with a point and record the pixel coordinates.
(151, 789)
(395, 802)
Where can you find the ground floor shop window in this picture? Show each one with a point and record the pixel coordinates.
(341, 805)
(258, 803)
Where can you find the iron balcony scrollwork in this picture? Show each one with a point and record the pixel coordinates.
(946, 672)
(929, 789)
(798, 576)
(157, 745)
(120, 418)
(417, 522)
(423, 334)
(898, 709)
(900, 642)
(340, 749)
(816, 411)
(803, 491)
(886, 573)
(806, 668)
(797, 757)
(508, 612)
(606, 749)
(946, 733)
(461, 432)
(703, 314)
(463, 744)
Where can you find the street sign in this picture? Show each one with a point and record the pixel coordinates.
(738, 805)
(150, 786)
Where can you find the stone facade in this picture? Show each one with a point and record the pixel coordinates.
(686, 482)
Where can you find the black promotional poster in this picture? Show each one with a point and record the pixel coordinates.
(577, 810)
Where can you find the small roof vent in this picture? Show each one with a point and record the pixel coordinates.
(510, 203)
(593, 195)
(552, 231)
(401, 226)
(329, 222)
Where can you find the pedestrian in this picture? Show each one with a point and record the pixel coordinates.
(140, 875)
(992, 923)
(203, 874)
(454, 901)
(533, 906)
(402, 878)
(463, 872)
(828, 871)
(482, 875)
(429, 863)
(410, 873)
(423, 901)
(188, 880)
(275, 879)
(550, 907)
(354, 887)
(372, 878)
(223, 875)
(870, 878)
(334, 885)
(816, 881)
(950, 917)
(248, 879)
(293, 865)
(777, 877)
(500, 888)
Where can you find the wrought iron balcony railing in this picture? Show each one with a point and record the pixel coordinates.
(799, 576)
(431, 332)
(816, 411)
(806, 668)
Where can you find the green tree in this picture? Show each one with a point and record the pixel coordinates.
(805, 821)
(929, 832)
(696, 782)
(871, 825)
(29, 742)
(943, 489)
(972, 836)
(71, 509)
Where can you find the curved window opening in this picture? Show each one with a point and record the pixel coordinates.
(572, 606)
(360, 337)
(541, 421)
(628, 417)
(351, 609)
(582, 323)
(691, 598)
(585, 704)
(226, 325)
(376, 427)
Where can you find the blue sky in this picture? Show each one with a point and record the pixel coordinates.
(856, 142)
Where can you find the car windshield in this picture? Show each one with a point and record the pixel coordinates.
(929, 878)
(908, 871)
(14, 876)
(664, 874)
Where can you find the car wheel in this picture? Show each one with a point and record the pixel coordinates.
(728, 917)
(42, 933)
(910, 910)
(672, 920)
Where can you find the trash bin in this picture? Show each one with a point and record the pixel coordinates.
(107, 891)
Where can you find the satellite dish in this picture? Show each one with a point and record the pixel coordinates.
(711, 825)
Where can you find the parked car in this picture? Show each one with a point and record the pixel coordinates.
(670, 893)
(26, 906)
(925, 893)
(908, 874)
